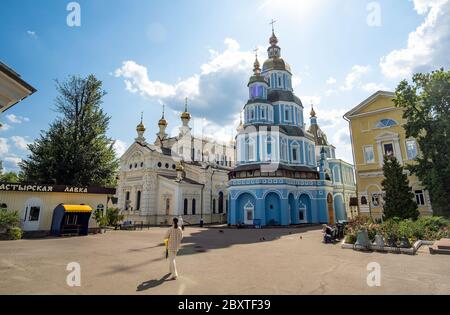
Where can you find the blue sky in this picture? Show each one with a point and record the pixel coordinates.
(153, 52)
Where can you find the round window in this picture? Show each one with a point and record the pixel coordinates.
(142, 164)
(131, 166)
(159, 164)
(167, 165)
(173, 166)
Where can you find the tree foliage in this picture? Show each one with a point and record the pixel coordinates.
(75, 150)
(399, 199)
(427, 112)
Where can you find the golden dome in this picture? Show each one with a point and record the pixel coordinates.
(276, 63)
(185, 114)
(273, 39)
(313, 112)
(162, 122)
(141, 127)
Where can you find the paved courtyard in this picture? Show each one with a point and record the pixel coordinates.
(272, 261)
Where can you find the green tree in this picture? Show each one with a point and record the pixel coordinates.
(9, 177)
(399, 199)
(75, 150)
(427, 112)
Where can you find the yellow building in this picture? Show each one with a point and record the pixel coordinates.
(37, 205)
(376, 128)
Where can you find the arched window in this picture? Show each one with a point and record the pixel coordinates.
(250, 150)
(221, 202)
(193, 206)
(295, 151)
(167, 206)
(214, 205)
(269, 148)
(138, 200)
(185, 207)
(127, 200)
(386, 123)
(283, 150)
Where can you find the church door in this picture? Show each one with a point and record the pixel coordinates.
(330, 209)
(249, 212)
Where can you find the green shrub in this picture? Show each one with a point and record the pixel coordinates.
(8, 219)
(14, 233)
(113, 216)
(425, 228)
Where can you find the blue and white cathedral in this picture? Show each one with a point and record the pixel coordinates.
(285, 174)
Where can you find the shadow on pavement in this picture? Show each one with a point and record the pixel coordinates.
(152, 283)
(210, 239)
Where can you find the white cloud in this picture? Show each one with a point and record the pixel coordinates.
(20, 142)
(137, 80)
(17, 119)
(428, 46)
(374, 87)
(217, 90)
(331, 81)
(296, 81)
(32, 34)
(14, 160)
(354, 77)
(120, 147)
(310, 99)
(5, 127)
(4, 146)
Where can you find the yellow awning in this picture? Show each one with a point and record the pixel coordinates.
(77, 208)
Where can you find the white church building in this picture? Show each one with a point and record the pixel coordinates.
(174, 176)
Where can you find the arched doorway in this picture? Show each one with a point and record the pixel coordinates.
(221, 202)
(292, 210)
(330, 209)
(339, 208)
(273, 211)
(243, 203)
(304, 209)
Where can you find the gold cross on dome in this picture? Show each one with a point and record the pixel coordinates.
(272, 23)
(256, 51)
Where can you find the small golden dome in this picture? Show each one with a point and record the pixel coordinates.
(313, 112)
(273, 39)
(162, 122)
(140, 127)
(185, 115)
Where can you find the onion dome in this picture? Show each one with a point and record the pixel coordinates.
(185, 114)
(141, 127)
(163, 121)
(257, 77)
(313, 112)
(275, 62)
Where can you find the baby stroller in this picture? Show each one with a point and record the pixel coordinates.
(330, 234)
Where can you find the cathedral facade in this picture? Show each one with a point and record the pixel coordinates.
(285, 173)
(174, 176)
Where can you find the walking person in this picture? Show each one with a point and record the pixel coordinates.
(174, 236)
